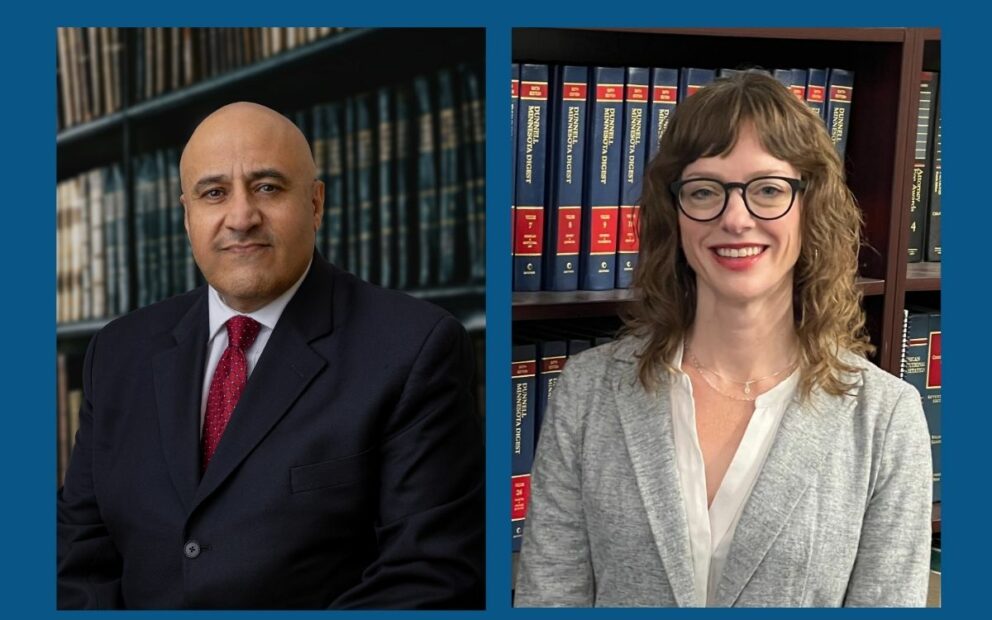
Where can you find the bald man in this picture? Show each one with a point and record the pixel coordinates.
(287, 436)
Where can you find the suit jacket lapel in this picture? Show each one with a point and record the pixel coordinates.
(178, 375)
(287, 365)
(805, 436)
(647, 425)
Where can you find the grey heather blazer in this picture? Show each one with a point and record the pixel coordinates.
(839, 514)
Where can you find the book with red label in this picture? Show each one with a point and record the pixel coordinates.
(840, 93)
(691, 79)
(816, 90)
(601, 200)
(551, 357)
(664, 97)
(523, 374)
(921, 367)
(798, 87)
(563, 217)
(920, 193)
(514, 104)
(532, 145)
(635, 110)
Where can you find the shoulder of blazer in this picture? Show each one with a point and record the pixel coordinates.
(156, 319)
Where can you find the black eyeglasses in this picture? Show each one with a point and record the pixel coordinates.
(766, 198)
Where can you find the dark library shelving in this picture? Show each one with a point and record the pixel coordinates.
(887, 63)
(344, 64)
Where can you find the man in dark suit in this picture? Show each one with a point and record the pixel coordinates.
(287, 437)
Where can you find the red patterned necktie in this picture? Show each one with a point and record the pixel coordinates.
(228, 382)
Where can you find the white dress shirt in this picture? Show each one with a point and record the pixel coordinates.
(711, 530)
(267, 316)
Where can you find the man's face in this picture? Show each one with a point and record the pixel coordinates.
(252, 203)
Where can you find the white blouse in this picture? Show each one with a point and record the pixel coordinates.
(711, 530)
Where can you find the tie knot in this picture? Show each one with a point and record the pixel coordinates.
(242, 331)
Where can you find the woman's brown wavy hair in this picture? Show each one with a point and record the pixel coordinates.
(827, 303)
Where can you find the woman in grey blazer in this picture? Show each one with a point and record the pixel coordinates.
(735, 447)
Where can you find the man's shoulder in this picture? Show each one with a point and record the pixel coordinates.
(154, 319)
(360, 302)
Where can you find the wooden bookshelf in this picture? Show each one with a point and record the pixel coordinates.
(886, 63)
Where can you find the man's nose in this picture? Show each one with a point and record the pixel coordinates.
(242, 212)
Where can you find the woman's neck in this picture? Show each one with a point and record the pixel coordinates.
(744, 341)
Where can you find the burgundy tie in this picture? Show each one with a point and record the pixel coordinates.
(228, 382)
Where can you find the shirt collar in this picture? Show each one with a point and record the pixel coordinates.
(268, 315)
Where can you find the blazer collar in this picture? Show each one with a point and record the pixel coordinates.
(803, 440)
(287, 365)
(646, 419)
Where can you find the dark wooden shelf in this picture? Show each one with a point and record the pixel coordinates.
(809, 34)
(567, 304)
(923, 277)
(81, 329)
(541, 305)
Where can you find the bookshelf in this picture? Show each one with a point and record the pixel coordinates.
(350, 68)
(887, 63)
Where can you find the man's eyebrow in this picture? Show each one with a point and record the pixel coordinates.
(268, 173)
(254, 175)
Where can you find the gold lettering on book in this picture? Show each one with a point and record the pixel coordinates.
(571, 139)
(533, 139)
(609, 128)
(633, 142)
(519, 413)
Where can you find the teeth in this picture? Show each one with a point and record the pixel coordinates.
(739, 252)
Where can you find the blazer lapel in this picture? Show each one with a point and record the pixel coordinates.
(287, 365)
(178, 376)
(647, 426)
(805, 436)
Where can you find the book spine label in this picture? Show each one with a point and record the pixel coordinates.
(635, 109)
(934, 207)
(565, 213)
(664, 95)
(532, 133)
(840, 92)
(921, 173)
(816, 90)
(932, 398)
(523, 373)
(601, 203)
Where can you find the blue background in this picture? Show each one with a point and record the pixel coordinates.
(27, 48)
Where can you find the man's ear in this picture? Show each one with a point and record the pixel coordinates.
(317, 199)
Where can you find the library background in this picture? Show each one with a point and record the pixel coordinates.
(398, 139)
(569, 285)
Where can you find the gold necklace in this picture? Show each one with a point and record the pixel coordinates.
(747, 384)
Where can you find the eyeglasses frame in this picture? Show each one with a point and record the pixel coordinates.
(797, 186)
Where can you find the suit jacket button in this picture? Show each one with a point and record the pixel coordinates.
(191, 549)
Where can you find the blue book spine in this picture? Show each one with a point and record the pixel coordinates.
(635, 110)
(816, 90)
(404, 203)
(840, 90)
(386, 208)
(563, 222)
(514, 104)
(931, 397)
(798, 87)
(551, 358)
(427, 180)
(692, 79)
(532, 139)
(664, 96)
(784, 76)
(334, 191)
(601, 201)
(524, 371)
(367, 258)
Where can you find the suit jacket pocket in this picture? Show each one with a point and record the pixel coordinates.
(326, 474)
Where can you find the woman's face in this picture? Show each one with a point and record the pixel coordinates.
(739, 258)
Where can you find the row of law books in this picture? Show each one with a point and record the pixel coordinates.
(925, 205)
(404, 204)
(537, 360)
(921, 367)
(91, 62)
(583, 137)
(68, 401)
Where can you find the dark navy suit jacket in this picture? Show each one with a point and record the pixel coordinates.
(350, 475)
